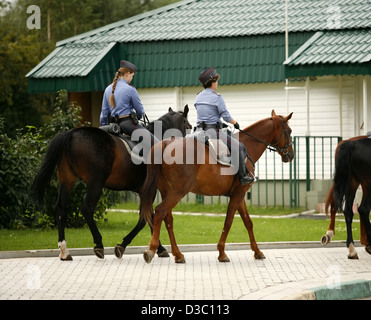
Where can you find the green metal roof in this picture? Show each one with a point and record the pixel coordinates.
(332, 52)
(193, 19)
(243, 39)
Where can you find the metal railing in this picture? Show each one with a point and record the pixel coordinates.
(285, 184)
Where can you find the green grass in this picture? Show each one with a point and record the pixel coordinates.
(188, 230)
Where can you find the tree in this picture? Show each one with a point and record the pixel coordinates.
(21, 48)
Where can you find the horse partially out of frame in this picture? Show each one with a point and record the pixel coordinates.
(353, 168)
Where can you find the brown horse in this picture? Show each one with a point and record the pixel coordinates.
(332, 207)
(203, 176)
(100, 160)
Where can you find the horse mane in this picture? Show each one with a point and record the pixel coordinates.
(167, 122)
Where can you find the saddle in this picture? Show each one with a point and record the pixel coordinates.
(115, 129)
(218, 149)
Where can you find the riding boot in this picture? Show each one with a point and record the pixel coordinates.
(242, 170)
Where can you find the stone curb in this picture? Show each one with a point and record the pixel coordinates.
(355, 289)
(184, 248)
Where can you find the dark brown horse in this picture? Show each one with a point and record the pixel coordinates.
(100, 160)
(352, 168)
(331, 208)
(203, 176)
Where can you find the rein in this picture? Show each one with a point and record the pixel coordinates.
(274, 146)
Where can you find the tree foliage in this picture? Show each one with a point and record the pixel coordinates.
(21, 49)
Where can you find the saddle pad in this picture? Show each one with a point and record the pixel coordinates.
(129, 145)
(217, 147)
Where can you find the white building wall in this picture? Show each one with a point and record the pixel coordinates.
(253, 102)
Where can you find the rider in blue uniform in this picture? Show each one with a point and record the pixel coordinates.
(121, 104)
(211, 108)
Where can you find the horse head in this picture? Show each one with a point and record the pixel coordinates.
(282, 137)
(181, 120)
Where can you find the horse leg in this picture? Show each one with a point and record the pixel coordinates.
(161, 212)
(155, 239)
(94, 191)
(364, 213)
(120, 248)
(227, 226)
(60, 210)
(331, 229)
(179, 257)
(66, 182)
(242, 210)
(348, 213)
(363, 236)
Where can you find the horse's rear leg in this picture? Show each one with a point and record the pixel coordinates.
(66, 182)
(330, 203)
(178, 256)
(60, 211)
(364, 212)
(161, 212)
(120, 248)
(242, 210)
(331, 229)
(94, 191)
(348, 214)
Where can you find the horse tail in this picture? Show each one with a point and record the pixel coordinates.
(56, 149)
(343, 172)
(149, 189)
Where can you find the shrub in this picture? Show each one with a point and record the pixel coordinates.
(20, 159)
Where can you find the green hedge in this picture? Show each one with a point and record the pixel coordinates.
(20, 159)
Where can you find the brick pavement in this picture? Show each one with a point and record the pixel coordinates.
(285, 272)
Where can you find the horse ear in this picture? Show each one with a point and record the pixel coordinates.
(186, 110)
(288, 117)
(273, 113)
(170, 109)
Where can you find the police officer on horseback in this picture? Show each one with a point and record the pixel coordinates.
(211, 108)
(121, 104)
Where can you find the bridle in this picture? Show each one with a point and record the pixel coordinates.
(274, 146)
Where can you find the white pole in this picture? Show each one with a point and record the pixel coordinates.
(365, 115)
(340, 78)
(307, 87)
(287, 50)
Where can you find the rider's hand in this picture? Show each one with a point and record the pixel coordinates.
(237, 126)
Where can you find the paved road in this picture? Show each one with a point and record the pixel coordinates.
(285, 273)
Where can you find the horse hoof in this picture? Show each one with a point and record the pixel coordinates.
(119, 251)
(259, 256)
(99, 252)
(148, 256)
(225, 259)
(353, 256)
(68, 258)
(368, 249)
(163, 254)
(180, 260)
(325, 240)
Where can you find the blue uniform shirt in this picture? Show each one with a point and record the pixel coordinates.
(211, 107)
(126, 99)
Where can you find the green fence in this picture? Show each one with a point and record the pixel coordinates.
(285, 184)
